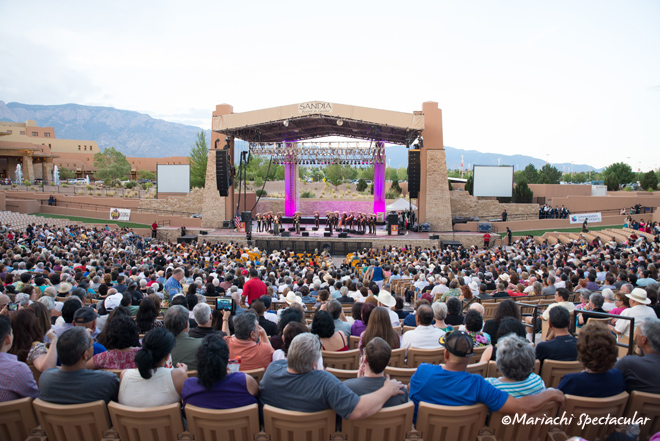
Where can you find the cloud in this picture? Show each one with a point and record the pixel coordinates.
(655, 88)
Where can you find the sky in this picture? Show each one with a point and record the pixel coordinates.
(563, 80)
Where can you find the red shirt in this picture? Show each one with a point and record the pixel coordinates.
(154, 226)
(253, 289)
(487, 237)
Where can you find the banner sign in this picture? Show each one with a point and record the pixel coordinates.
(395, 230)
(120, 214)
(590, 217)
(241, 227)
(380, 216)
(315, 107)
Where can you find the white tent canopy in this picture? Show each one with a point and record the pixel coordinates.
(400, 205)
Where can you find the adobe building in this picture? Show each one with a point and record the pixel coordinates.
(38, 150)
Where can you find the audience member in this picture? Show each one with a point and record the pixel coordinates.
(16, 380)
(559, 345)
(185, 347)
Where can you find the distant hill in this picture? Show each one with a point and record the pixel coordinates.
(137, 134)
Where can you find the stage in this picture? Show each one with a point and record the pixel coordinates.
(336, 245)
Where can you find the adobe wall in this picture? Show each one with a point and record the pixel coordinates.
(465, 205)
(620, 199)
(550, 191)
(190, 203)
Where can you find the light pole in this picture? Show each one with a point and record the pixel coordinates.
(498, 161)
(461, 166)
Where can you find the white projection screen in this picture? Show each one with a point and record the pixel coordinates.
(493, 181)
(173, 178)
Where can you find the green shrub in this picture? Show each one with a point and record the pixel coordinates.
(260, 193)
(307, 194)
(361, 185)
(391, 194)
(396, 188)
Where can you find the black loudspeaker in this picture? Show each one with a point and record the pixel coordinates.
(326, 234)
(305, 233)
(302, 228)
(434, 236)
(286, 234)
(315, 229)
(392, 219)
(414, 172)
(226, 224)
(343, 235)
(222, 172)
(246, 216)
(203, 233)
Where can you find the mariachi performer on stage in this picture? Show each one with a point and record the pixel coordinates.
(296, 221)
(336, 219)
(316, 219)
(328, 219)
(277, 224)
(258, 222)
(372, 224)
(331, 221)
(349, 221)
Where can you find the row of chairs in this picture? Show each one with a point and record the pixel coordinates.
(350, 359)
(90, 421)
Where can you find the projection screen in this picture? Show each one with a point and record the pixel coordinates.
(493, 181)
(173, 178)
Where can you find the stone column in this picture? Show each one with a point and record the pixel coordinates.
(379, 179)
(28, 168)
(290, 181)
(214, 207)
(434, 202)
(47, 167)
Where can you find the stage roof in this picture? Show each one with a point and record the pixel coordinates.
(317, 119)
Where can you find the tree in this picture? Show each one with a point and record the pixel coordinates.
(361, 185)
(522, 193)
(258, 183)
(65, 173)
(612, 182)
(649, 181)
(551, 173)
(622, 172)
(469, 185)
(367, 173)
(529, 174)
(146, 174)
(396, 188)
(111, 164)
(334, 174)
(402, 174)
(391, 174)
(198, 158)
(349, 172)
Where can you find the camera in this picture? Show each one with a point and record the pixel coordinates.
(12, 306)
(225, 303)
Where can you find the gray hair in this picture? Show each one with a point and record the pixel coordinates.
(585, 294)
(440, 311)
(176, 319)
(537, 287)
(478, 307)
(22, 299)
(343, 290)
(245, 324)
(178, 271)
(202, 313)
(515, 357)
(48, 302)
(201, 298)
(628, 288)
(597, 300)
(608, 294)
(650, 328)
(303, 352)
(334, 308)
(50, 291)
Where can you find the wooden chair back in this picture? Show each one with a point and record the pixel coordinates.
(645, 405)
(348, 360)
(553, 371)
(241, 423)
(529, 432)
(287, 425)
(594, 407)
(401, 374)
(72, 422)
(398, 358)
(343, 374)
(388, 424)
(146, 424)
(489, 310)
(257, 374)
(353, 342)
(419, 356)
(456, 423)
(17, 419)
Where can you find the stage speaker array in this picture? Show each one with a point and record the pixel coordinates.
(414, 172)
(246, 216)
(222, 172)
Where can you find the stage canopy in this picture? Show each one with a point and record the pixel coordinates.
(400, 205)
(317, 119)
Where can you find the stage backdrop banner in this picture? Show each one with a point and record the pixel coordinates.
(120, 214)
(380, 216)
(590, 217)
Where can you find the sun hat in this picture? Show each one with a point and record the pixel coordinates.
(112, 301)
(292, 298)
(64, 288)
(639, 295)
(386, 299)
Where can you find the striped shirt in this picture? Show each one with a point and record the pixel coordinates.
(532, 385)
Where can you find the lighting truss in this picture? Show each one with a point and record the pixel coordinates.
(322, 153)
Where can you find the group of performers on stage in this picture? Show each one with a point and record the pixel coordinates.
(361, 221)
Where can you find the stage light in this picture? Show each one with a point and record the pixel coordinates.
(340, 122)
(286, 123)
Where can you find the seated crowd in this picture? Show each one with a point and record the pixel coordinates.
(94, 314)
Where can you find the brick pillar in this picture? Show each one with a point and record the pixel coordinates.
(47, 167)
(290, 182)
(379, 179)
(434, 202)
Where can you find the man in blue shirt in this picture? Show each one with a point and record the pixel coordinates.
(453, 386)
(173, 284)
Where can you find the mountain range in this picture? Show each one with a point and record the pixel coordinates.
(139, 135)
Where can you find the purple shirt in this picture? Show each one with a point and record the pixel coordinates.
(16, 380)
(358, 328)
(228, 393)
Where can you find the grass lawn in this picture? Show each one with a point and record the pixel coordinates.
(89, 220)
(561, 230)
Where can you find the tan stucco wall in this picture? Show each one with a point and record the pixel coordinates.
(465, 205)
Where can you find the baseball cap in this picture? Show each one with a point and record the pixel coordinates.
(459, 343)
(84, 315)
